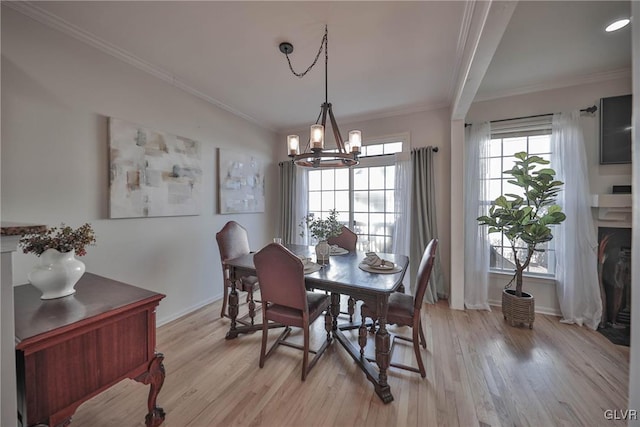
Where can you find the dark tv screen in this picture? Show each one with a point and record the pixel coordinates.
(615, 130)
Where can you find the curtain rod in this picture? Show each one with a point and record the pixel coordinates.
(590, 110)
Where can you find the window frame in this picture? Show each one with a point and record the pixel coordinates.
(501, 134)
(378, 160)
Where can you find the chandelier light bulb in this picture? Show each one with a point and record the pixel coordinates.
(355, 141)
(317, 136)
(293, 141)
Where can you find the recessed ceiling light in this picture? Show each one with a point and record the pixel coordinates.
(620, 23)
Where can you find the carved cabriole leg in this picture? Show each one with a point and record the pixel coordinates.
(383, 344)
(335, 310)
(233, 311)
(154, 377)
(351, 308)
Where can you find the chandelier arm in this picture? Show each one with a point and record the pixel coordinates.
(323, 44)
(324, 107)
(336, 131)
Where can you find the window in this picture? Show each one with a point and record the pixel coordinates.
(502, 148)
(363, 195)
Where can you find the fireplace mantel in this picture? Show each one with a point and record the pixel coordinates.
(612, 207)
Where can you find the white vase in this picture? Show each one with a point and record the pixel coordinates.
(322, 252)
(56, 273)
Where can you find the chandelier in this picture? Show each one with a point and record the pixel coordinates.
(315, 155)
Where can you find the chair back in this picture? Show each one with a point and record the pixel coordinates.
(233, 241)
(347, 239)
(281, 277)
(424, 273)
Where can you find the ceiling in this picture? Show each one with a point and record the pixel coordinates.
(385, 58)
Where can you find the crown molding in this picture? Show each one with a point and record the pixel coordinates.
(53, 21)
(558, 84)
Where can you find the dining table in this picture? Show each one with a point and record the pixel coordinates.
(344, 275)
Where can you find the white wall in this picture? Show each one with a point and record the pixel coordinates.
(425, 128)
(601, 177)
(57, 93)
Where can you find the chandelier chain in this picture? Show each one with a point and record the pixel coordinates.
(323, 45)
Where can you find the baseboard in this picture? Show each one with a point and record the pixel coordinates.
(200, 304)
(540, 310)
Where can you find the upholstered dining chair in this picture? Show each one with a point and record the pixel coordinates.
(405, 311)
(233, 242)
(347, 239)
(285, 300)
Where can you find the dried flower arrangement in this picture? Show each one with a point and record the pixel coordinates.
(63, 239)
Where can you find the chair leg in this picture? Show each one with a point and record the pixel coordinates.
(224, 299)
(422, 339)
(416, 347)
(305, 357)
(252, 305)
(265, 333)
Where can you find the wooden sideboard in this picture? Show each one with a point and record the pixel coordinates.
(72, 348)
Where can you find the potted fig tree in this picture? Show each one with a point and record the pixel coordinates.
(525, 220)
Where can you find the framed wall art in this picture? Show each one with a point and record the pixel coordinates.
(152, 173)
(240, 182)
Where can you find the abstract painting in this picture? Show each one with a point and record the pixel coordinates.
(241, 182)
(152, 173)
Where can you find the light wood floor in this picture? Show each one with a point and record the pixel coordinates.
(480, 372)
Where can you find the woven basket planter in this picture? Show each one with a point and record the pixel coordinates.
(518, 310)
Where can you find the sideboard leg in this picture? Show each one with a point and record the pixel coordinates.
(154, 377)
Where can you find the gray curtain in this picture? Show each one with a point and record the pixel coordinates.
(286, 224)
(423, 221)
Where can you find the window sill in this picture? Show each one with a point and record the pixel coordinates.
(540, 278)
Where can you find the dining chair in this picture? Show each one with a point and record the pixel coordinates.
(348, 240)
(286, 301)
(233, 242)
(404, 310)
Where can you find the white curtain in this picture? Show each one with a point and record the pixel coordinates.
(476, 194)
(575, 240)
(402, 201)
(302, 205)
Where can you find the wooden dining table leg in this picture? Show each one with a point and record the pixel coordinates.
(335, 310)
(383, 344)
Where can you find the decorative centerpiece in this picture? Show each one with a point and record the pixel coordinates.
(58, 270)
(321, 229)
(525, 220)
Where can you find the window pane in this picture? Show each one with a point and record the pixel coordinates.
(512, 189)
(327, 201)
(390, 221)
(327, 179)
(495, 167)
(539, 144)
(392, 147)
(361, 201)
(375, 150)
(315, 178)
(342, 203)
(390, 201)
(315, 201)
(360, 179)
(390, 177)
(511, 146)
(376, 223)
(376, 201)
(378, 244)
(495, 147)
(495, 189)
(361, 221)
(342, 179)
(376, 178)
